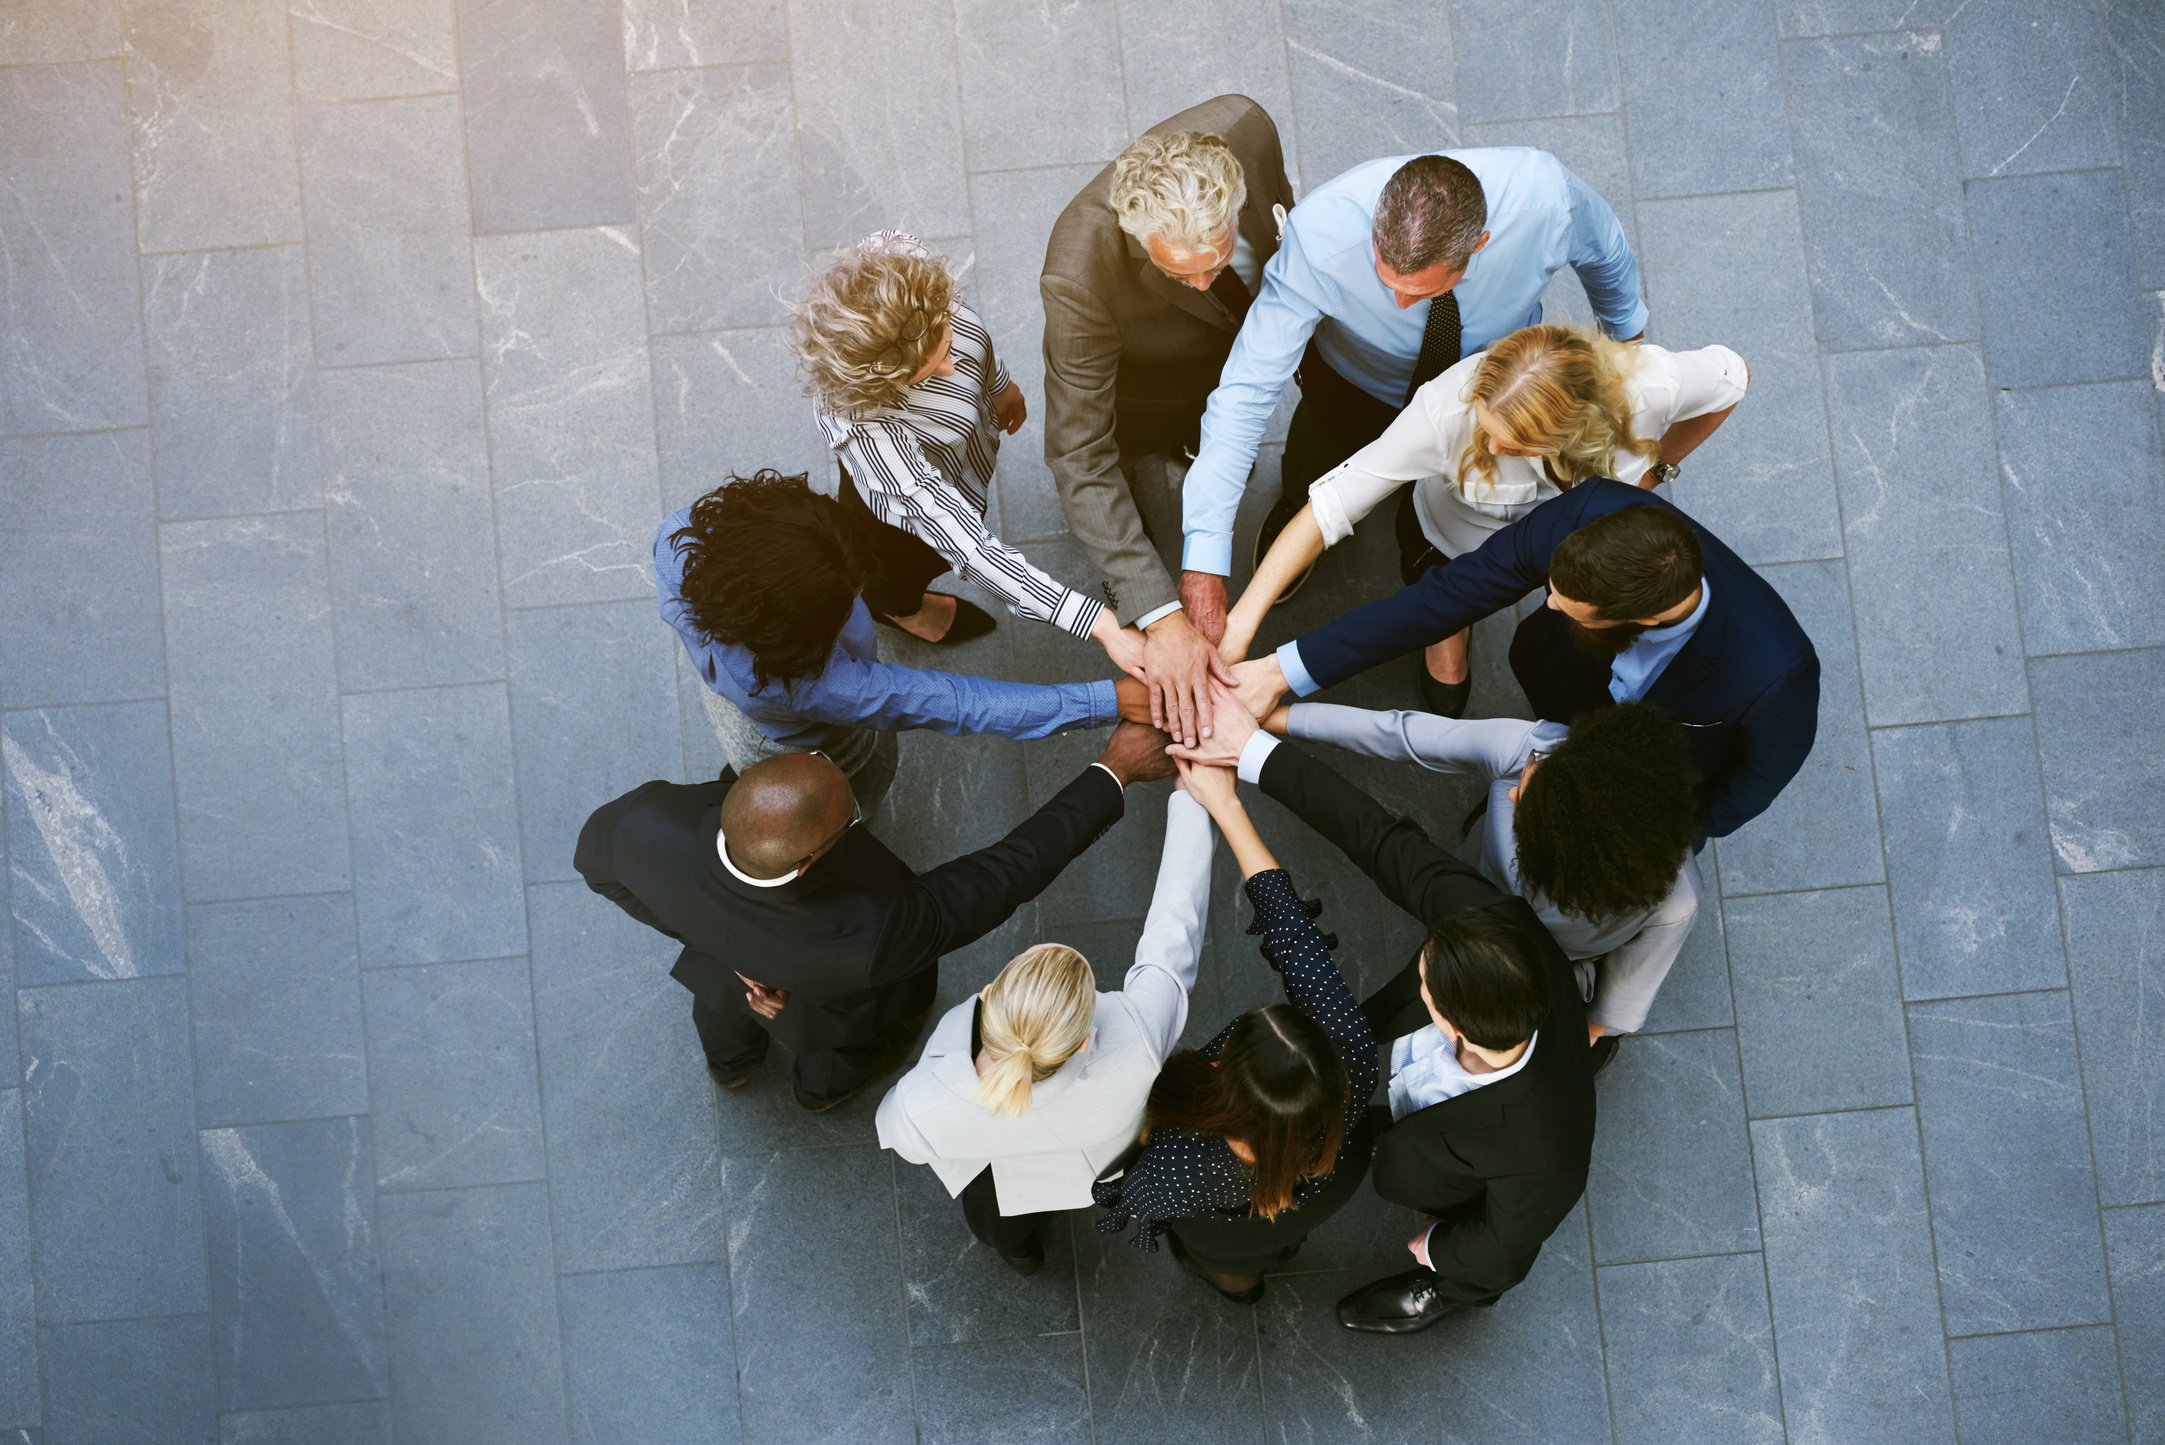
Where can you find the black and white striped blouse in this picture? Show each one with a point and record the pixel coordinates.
(926, 465)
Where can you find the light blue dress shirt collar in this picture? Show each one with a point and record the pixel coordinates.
(1632, 673)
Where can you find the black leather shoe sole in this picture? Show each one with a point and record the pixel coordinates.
(1445, 699)
(821, 1106)
(1602, 1052)
(970, 621)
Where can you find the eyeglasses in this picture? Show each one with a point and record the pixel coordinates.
(921, 324)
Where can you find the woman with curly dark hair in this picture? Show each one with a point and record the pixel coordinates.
(1593, 825)
(763, 580)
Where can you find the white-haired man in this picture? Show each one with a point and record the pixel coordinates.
(1147, 279)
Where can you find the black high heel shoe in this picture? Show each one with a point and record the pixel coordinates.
(970, 621)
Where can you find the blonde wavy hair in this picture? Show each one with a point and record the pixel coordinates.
(1035, 1016)
(871, 321)
(1556, 392)
(1182, 187)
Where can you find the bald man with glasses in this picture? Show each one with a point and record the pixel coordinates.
(800, 925)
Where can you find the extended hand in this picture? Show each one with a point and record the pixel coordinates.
(1179, 666)
(1259, 684)
(1212, 787)
(1136, 754)
(764, 1001)
(1009, 410)
(1223, 748)
(1202, 597)
(1124, 645)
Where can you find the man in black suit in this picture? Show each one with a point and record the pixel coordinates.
(1644, 605)
(798, 924)
(1484, 1040)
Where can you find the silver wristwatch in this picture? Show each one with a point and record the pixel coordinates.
(1662, 472)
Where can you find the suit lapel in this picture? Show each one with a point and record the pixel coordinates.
(1695, 662)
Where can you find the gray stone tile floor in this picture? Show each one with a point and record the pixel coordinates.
(349, 350)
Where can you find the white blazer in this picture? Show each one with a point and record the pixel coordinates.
(1085, 1116)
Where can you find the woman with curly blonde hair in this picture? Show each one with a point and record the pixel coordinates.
(913, 400)
(1492, 438)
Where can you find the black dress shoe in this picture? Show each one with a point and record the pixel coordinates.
(1445, 699)
(1274, 523)
(1396, 1306)
(820, 1106)
(1603, 1050)
(1026, 1264)
(970, 621)
(733, 1078)
(1240, 1297)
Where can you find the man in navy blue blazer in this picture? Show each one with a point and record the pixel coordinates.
(1643, 604)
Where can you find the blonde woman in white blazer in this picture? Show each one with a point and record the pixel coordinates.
(1077, 1064)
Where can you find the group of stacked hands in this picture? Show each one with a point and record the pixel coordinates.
(1672, 696)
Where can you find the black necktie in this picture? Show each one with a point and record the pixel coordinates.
(1232, 293)
(1439, 342)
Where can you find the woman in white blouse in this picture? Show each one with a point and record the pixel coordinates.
(1030, 1090)
(1592, 825)
(913, 400)
(1494, 437)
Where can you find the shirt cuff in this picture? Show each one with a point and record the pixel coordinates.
(1297, 676)
(1208, 552)
(1104, 703)
(1156, 613)
(1329, 510)
(1123, 787)
(1078, 614)
(1256, 753)
(1633, 324)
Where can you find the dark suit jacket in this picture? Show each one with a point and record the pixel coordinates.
(853, 925)
(1501, 1166)
(1745, 687)
(1131, 356)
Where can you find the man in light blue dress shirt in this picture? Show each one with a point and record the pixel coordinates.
(1358, 303)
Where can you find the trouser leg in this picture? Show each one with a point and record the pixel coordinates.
(833, 1063)
(1010, 1234)
(729, 1032)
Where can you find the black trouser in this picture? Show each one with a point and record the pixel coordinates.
(1416, 554)
(1334, 420)
(840, 1047)
(1011, 1234)
(902, 562)
(1254, 1244)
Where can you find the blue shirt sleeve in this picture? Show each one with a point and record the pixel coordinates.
(854, 692)
(1264, 356)
(1603, 259)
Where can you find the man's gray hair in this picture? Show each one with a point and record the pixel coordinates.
(1431, 213)
(1182, 187)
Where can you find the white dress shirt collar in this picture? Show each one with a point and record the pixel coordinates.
(1425, 1070)
(721, 847)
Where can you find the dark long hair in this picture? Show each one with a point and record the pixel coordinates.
(1279, 1087)
(773, 567)
(1605, 823)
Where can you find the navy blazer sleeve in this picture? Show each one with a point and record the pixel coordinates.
(962, 900)
(1775, 735)
(1510, 564)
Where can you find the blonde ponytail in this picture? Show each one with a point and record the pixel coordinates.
(1034, 1017)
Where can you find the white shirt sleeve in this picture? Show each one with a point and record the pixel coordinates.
(1414, 445)
(1490, 747)
(1713, 378)
(1171, 947)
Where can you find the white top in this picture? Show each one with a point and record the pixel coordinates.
(926, 465)
(1425, 441)
(1083, 1118)
(1640, 949)
(1425, 1070)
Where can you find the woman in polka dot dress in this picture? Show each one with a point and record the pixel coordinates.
(1260, 1135)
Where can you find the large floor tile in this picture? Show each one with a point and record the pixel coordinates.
(110, 1125)
(373, 49)
(129, 1380)
(71, 358)
(1969, 864)
(1524, 61)
(2092, 577)
(469, 1288)
(1819, 1010)
(2057, 314)
(48, 30)
(834, 1364)
(78, 562)
(2013, 1388)
(2049, 79)
(545, 116)
(94, 871)
(296, 1303)
(2014, 1217)
(647, 1356)
(365, 1423)
(727, 403)
(1849, 1268)
(1672, 1172)
(1690, 74)
(2135, 1243)
(1011, 57)
(1031, 1388)
(1691, 1351)
(1366, 83)
(453, 1081)
(277, 1005)
(2104, 790)
(634, 1166)
(258, 761)
(2135, 31)
(2116, 967)
(1175, 56)
(436, 845)
(671, 34)
(960, 1290)
(19, 1404)
(1921, 514)
(231, 353)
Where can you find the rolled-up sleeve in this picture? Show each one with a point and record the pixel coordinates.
(1604, 262)
(1713, 378)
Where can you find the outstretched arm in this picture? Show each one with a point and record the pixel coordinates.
(1166, 956)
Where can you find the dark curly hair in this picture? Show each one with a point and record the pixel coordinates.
(773, 567)
(1606, 821)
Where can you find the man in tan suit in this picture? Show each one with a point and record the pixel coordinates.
(1147, 278)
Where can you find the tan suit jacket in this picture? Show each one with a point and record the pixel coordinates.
(1131, 356)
